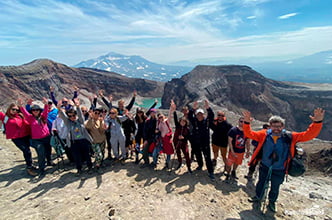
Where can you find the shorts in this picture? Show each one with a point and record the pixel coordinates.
(235, 160)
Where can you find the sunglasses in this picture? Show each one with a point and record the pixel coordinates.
(112, 113)
(221, 115)
(15, 109)
(71, 116)
(241, 121)
(97, 113)
(35, 110)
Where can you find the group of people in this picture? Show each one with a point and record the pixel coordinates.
(84, 133)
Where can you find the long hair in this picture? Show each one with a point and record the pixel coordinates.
(8, 111)
(141, 119)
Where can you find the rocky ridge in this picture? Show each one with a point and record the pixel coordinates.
(239, 87)
(34, 79)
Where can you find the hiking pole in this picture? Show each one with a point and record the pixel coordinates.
(267, 180)
(266, 187)
(175, 154)
(172, 162)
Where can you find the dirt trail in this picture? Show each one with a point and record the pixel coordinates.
(130, 192)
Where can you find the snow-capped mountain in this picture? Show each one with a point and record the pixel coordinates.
(135, 66)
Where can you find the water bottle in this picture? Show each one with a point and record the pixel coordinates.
(299, 152)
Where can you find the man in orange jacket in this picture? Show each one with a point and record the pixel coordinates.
(273, 151)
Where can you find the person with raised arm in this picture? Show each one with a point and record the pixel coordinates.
(65, 102)
(200, 137)
(40, 134)
(17, 128)
(275, 150)
(78, 138)
(180, 138)
(114, 125)
(96, 128)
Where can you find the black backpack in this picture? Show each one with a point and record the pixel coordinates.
(296, 165)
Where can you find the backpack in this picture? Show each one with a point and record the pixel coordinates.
(296, 165)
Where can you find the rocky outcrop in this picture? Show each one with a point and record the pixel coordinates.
(240, 87)
(35, 78)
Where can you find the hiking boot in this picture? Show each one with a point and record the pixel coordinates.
(78, 173)
(31, 172)
(254, 199)
(214, 162)
(211, 175)
(199, 168)
(167, 165)
(227, 177)
(189, 170)
(136, 160)
(233, 175)
(249, 175)
(272, 206)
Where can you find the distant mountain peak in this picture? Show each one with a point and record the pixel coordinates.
(134, 66)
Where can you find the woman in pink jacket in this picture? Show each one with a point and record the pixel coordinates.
(40, 135)
(18, 130)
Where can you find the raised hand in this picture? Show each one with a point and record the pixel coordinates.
(195, 105)
(206, 104)
(77, 102)
(247, 116)
(172, 106)
(318, 115)
(29, 102)
(156, 101)
(51, 89)
(59, 104)
(135, 93)
(110, 98)
(101, 93)
(45, 100)
(76, 88)
(90, 98)
(19, 102)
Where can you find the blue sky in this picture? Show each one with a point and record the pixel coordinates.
(163, 31)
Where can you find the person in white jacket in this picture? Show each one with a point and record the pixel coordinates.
(113, 123)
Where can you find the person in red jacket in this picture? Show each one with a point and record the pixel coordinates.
(18, 130)
(275, 152)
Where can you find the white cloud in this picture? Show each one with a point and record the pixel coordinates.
(251, 17)
(286, 16)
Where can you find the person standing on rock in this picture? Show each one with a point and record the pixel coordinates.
(149, 135)
(17, 128)
(238, 145)
(180, 138)
(200, 141)
(78, 138)
(163, 126)
(275, 151)
(220, 128)
(120, 109)
(40, 134)
(114, 125)
(96, 128)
